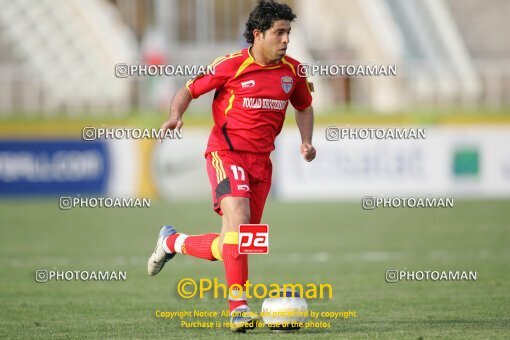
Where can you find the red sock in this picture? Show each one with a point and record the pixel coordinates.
(236, 268)
(170, 242)
(193, 245)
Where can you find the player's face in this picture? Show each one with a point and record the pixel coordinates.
(275, 40)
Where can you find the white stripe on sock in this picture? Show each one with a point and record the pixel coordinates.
(179, 242)
(165, 247)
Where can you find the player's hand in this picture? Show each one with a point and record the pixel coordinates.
(171, 124)
(308, 152)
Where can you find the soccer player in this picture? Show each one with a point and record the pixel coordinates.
(252, 90)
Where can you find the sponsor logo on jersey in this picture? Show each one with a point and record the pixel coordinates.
(249, 83)
(264, 103)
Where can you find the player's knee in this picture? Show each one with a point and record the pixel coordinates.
(233, 220)
(236, 216)
(236, 210)
(241, 217)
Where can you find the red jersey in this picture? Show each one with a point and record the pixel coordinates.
(250, 100)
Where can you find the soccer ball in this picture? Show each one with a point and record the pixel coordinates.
(285, 313)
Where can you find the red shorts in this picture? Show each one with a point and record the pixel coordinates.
(240, 174)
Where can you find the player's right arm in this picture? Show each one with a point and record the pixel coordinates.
(179, 104)
(194, 88)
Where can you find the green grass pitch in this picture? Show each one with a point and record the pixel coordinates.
(334, 242)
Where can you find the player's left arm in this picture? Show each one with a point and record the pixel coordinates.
(304, 120)
(301, 99)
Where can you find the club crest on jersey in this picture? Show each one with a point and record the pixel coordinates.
(287, 83)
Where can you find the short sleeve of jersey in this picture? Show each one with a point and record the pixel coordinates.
(204, 83)
(301, 97)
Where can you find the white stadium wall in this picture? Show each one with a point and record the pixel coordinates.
(178, 167)
(471, 161)
(459, 161)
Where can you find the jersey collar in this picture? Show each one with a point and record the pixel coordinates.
(252, 59)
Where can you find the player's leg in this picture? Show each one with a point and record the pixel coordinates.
(257, 203)
(227, 180)
(236, 211)
(205, 246)
(231, 195)
(261, 173)
(224, 182)
(236, 265)
(256, 170)
(201, 246)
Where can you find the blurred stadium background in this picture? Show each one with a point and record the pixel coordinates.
(453, 62)
(57, 61)
(449, 53)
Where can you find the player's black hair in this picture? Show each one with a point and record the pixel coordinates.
(264, 15)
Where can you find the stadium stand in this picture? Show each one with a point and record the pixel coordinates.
(61, 58)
